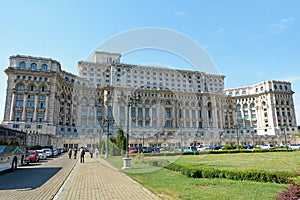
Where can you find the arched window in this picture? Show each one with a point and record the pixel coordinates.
(154, 102)
(245, 106)
(44, 67)
(237, 93)
(92, 101)
(280, 87)
(22, 65)
(32, 88)
(238, 107)
(83, 101)
(20, 87)
(43, 89)
(275, 87)
(33, 66)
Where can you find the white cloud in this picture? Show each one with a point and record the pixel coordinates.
(281, 26)
(221, 30)
(178, 13)
(293, 78)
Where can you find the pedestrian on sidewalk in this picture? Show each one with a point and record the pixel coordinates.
(82, 152)
(75, 153)
(97, 152)
(70, 153)
(91, 152)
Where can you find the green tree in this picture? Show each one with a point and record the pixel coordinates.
(121, 139)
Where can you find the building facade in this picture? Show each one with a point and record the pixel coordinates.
(175, 107)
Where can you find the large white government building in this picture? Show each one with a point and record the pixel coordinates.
(175, 107)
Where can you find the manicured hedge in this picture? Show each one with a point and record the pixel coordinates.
(251, 175)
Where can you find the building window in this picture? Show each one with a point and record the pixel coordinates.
(39, 126)
(168, 112)
(140, 112)
(140, 123)
(33, 66)
(19, 103)
(132, 112)
(44, 67)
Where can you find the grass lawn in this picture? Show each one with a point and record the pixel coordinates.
(270, 161)
(172, 185)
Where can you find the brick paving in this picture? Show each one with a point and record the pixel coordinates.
(57, 171)
(97, 179)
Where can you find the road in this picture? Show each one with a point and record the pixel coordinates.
(38, 181)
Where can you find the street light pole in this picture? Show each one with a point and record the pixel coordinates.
(108, 121)
(285, 139)
(130, 101)
(237, 136)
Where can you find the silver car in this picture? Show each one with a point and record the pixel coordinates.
(42, 154)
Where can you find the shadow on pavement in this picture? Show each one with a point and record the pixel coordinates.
(26, 178)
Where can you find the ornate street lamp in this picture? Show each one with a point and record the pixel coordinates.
(237, 126)
(283, 127)
(107, 122)
(130, 101)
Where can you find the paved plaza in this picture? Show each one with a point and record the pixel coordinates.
(68, 179)
(97, 179)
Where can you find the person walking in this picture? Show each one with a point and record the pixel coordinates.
(70, 153)
(82, 152)
(75, 153)
(97, 152)
(91, 152)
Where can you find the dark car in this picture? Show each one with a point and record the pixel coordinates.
(33, 156)
(155, 149)
(133, 150)
(145, 150)
(248, 146)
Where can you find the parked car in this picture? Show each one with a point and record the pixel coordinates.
(42, 154)
(266, 146)
(203, 148)
(33, 156)
(155, 149)
(48, 152)
(144, 150)
(190, 149)
(177, 149)
(215, 148)
(133, 150)
(55, 152)
(248, 146)
(294, 146)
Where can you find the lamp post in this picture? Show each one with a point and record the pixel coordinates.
(220, 136)
(130, 101)
(108, 121)
(285, 139)
(237, 136)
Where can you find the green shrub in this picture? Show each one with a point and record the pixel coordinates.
(252, 175)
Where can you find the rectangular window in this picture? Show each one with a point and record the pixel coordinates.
(147, 123)
(42, 97)
(140, 124)
(154, 112)
(122, 111)
(132, 112)
(39, 126)
(27, 126)
(19, 103)
(187, 114)
(168, 112)
(30, 104)
(147, 112)
(154, 124)
(168, 124)
(140, 112)
(193, 114)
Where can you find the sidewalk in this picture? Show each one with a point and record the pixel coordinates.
(97, 179)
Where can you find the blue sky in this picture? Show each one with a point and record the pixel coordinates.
(250, 41)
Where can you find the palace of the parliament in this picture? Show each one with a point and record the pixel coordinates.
(162, 106)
